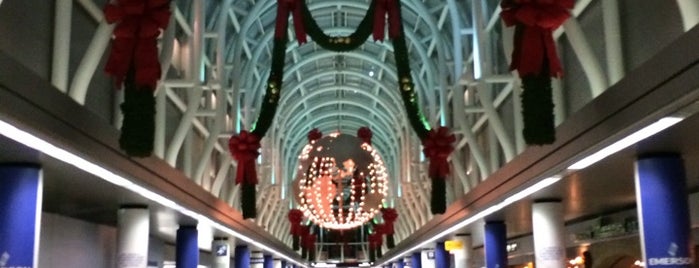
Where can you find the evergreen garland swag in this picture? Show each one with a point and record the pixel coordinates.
(368, 25)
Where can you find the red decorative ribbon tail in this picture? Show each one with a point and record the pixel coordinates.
(282, 19)
(147, 63)
(299, 27)
(393, 19)
(439, 167)
(120, 57)
(380, 20)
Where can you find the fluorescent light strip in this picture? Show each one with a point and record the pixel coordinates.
(58, 153)
(629, 140)
(509, 200)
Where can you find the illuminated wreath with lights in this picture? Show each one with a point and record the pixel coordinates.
(437, 142)
(341, 180)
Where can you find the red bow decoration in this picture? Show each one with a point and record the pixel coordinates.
(284, 7)
(375, 240)
(389, 217)
(364, 134)
(391, 8)
(244, 148)
(534, 44)
(295, 216)
(437, 147)
(309, 241)
(135, 39)
(314, 135)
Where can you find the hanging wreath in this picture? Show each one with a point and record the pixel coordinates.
(245, 149)
(133, 62)
(535, 59)
(389, 217)
(295, 217)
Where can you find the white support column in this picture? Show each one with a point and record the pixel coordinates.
(588, 60)
(612, 38)
(549, 233)
(463, 258)
(690, 13)
(90, 61)
(221, 253)
(133, 225)
(194, 72)
(61, 44)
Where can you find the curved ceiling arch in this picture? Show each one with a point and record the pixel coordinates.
(393, 104)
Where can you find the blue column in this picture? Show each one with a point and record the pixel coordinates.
(283, 262)
(663, 211)
(399, 263)
(242, 256)
(20, 206)
(187, 248)
(495, 245)
(441, 256)
(416, 260)
(268, 261)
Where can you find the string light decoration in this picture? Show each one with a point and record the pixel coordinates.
(341, 181)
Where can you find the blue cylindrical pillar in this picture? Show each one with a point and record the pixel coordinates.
(416, 260)
(20, 207)
(441, 256)
(495, 245)
(663, 211)
(187, 248)
(242, 256)
(283, 263)
(398, 263)
(268, 261)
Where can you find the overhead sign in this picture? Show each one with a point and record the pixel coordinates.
(450, 245)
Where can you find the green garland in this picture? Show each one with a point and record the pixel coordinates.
(342, 44)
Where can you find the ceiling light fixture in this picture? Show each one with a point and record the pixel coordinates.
(480, 215)
(627, 141)
(61, 154)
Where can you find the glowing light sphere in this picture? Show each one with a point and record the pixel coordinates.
(341, 182)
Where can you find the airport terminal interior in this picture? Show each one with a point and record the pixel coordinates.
(349, 133)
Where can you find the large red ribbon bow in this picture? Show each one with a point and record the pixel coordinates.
(295, 217)
(534, 44)
(364, 134)
(309, 241)
(244, 148)
(437, 146)
(375, 240)
(135, 39)
(284, 7)
(391, 8)
(389, 217)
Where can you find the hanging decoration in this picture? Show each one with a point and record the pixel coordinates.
(376, 240)
(390, 215)
(322, 168)
(305, 232)
(535, 59)
(295, 217)
(309, 242)
(437, 146)
(364, 134)
(341, 181)
(245, 149)
(133, 62)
